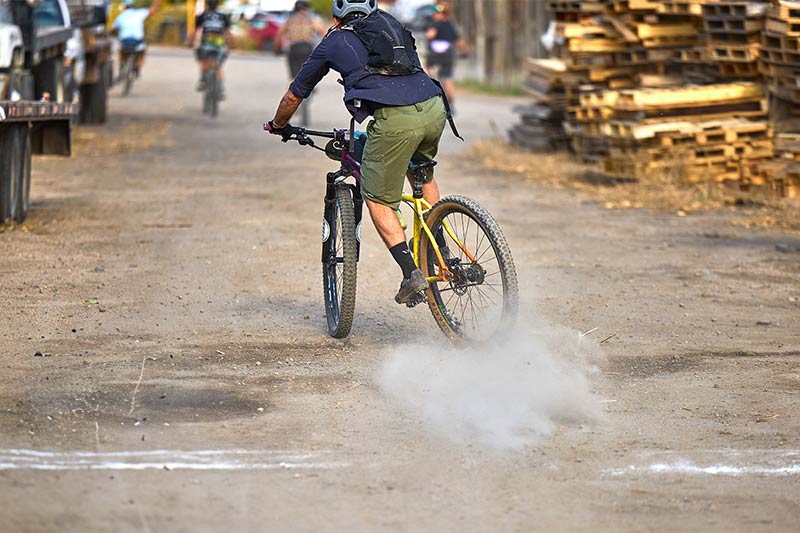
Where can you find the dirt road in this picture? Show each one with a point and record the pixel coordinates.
(166, 368)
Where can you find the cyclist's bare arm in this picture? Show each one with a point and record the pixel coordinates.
(286, 108)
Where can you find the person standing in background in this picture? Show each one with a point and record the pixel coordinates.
(297, 37)
(444, 40)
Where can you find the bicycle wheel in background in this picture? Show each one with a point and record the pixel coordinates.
(213, 92)
(339, 263)
(208, 79)
(130, 73)
(481, 301)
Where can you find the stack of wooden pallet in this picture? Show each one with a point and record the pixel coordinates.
(780, 51)
(696, 133)
(541, 123)
(733, 30)
(672, 86)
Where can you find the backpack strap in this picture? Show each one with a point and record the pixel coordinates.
(447, 109)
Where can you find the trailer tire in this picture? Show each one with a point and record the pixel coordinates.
(6, 184)
(23, 189)
(13, 168)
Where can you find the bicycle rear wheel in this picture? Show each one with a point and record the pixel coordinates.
(130, 73)
(481, 300)
(208, 79)
(339, 263)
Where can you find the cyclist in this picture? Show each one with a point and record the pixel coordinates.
(213, 34)
(129, 26)
(406, 105)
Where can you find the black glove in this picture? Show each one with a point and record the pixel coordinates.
(285, 132)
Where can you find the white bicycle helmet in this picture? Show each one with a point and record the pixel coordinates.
(342, 8)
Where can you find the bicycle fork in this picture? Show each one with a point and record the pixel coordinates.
(330, 205)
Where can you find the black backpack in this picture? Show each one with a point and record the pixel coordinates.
(389, 44)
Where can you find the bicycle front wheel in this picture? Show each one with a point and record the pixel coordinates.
(480, 300)
(339, 263)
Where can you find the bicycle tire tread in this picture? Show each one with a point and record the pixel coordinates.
(464, 204)
(347, 298)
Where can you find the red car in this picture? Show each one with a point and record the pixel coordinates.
(263, 28)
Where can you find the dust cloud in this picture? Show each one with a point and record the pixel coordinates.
(511, 395)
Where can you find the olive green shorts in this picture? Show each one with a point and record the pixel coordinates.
(396, 136)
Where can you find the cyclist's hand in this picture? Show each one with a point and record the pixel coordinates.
(285, 132)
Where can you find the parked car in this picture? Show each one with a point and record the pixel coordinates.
(264, 26)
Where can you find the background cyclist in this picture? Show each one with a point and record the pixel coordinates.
(212, 35)
(444, 41)
(408, 119)
(129, 26)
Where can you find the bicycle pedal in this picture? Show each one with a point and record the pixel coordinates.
(416, 300)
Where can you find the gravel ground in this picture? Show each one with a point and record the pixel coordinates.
(166, 366)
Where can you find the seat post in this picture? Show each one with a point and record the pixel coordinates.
(417, 185)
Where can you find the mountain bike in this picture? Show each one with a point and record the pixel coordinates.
(132, 49)
(472, 292)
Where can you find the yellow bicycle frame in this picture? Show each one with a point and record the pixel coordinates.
(420, 207)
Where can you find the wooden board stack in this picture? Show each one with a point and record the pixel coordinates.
(780, 67)
(695, 133)
(541, 123)
(733, 32)
(677, 86)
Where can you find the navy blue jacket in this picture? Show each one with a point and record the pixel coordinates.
(343, 51)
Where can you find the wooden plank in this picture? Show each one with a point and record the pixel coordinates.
(660, 31)
(595, 45)
(688, 96)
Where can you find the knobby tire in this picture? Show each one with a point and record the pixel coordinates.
(339, 269)
(469, 311)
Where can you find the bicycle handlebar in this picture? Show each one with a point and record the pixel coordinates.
(301, 135)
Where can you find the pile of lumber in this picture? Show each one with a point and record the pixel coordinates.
(708, 90)
(541, 126)
(695, 133)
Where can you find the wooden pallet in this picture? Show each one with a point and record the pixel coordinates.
(734, 52)
(738, 70)
(697, 54)
(729, 130)
(789, 26)
(732, 25)
(783, 9)
(703, 172)
(733, 9)
(733, 38)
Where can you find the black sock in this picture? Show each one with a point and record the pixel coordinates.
(440, 240)
(402, 255)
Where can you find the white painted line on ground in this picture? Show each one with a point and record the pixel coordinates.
(16, 459)
(716, 463)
